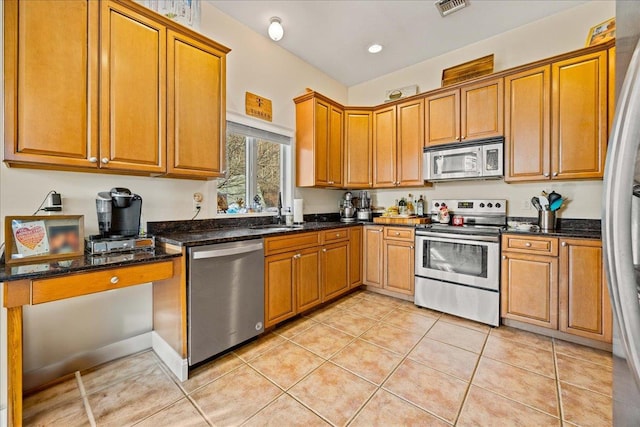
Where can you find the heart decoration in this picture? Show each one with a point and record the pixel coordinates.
(30, 237)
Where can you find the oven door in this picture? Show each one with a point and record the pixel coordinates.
(467, 260)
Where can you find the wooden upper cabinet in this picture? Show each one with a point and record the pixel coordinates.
(51, 83)
(132, 92)
(611, 101)
(358, 148)
(319, 135)
(442, 117)
(579, 116)
(196, 108)
(384, 147)
(585, 309)
(527, 123)
(481, 107)
(410, 142)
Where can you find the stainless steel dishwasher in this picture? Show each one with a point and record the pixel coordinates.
(225, 297)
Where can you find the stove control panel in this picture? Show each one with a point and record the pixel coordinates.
(471, 206)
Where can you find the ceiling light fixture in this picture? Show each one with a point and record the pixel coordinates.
(276, 32)
(375, 48)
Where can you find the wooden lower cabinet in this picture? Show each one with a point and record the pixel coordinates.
(308, 279)
(355, 256)
(398, 259)
(585, 308)
(564, 290)
(279, 288)
(372, 256)
(335, 269)
(388, 254)
(530, 289)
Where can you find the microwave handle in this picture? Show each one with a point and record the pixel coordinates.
(480, 164)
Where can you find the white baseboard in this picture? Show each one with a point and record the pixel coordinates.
(173, 361)
(3, 417)
(86, 360)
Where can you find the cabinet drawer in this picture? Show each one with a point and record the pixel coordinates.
(274, 245)
(398, 233)
(58, 288)
(530, 244)
(335, 235)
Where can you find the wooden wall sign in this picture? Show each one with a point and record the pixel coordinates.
(468, 70)
(257, 106)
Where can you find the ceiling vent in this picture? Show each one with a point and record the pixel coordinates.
(447, 7)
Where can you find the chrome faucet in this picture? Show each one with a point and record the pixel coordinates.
(279, 217)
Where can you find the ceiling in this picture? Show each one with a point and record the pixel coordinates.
(334, 35)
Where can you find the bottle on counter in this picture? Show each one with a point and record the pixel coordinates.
(410, 206)
(402, 206)
(420, 206)
(288, 217)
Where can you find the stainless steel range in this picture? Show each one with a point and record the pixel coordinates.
(457, 268)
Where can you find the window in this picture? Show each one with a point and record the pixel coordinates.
(256, 171)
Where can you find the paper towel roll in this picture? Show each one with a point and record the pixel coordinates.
(297, 211)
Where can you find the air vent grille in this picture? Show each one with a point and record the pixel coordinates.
(447, 7)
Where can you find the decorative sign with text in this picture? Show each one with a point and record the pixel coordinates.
(257, 106)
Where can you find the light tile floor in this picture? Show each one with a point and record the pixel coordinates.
(366, 360)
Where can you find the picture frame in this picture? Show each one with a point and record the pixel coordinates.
(40, 238)
(602, 32)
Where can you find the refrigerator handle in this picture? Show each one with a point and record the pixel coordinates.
(624, 142)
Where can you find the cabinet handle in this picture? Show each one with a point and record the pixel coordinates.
(528, 244)
(564, 243)
(555, 174)
(93, 160)
(105, 160)
(114, 280)
(546, 175)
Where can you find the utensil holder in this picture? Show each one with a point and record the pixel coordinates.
(547, 220)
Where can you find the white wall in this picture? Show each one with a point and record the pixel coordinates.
(551, 36)
(57, 331)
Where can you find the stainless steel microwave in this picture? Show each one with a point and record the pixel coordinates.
(473, 160)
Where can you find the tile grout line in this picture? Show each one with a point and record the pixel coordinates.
(85, 399)
(557, 375)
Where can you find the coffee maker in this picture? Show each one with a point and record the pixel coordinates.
(118, 213)
(347, 210)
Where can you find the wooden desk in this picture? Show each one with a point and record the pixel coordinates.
(169, 311)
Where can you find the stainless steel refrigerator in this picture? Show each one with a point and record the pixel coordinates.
(621, 217)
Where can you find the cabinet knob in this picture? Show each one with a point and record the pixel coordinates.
(411, 247)
(114, 280)
(564, 243)
(105, 160)
(93, 159)
(297, 256)
(463, 137)
(528, 244)
(504, 257)
(555, 174)
(397, 233)
(324, 249)
(546, 175)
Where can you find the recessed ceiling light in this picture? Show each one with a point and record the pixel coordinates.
(375, 48)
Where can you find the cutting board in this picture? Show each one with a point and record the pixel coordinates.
(401, 220)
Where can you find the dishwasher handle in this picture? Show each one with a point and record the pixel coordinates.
(217, 253)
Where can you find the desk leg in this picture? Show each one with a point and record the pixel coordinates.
(14, 365)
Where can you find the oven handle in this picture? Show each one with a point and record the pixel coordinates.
(456, 238)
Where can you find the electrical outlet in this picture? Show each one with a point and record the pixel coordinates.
(197, 201)
(526, 205)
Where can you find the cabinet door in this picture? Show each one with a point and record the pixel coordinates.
(279, 288)
(372, 256)
(384, 147)
(398, 262)
(481, 107)
(335, 270)
(308, 278)
(196, 113)
(358, 144)
(611, 101)
(585, 309)
(579, 116)
(334, 149)
(529, 289)
(355, 256)
(322, 114)
(442, 118)
(132, 91)
(527, 122)
(51, 82)
(410, 143)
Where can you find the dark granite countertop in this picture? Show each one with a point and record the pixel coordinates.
(578, 228)
(234, 234)
(81, 264)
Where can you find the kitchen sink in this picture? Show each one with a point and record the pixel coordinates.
(276, 227)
